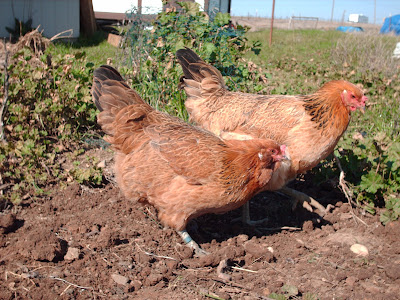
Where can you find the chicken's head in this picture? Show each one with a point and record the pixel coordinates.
(273, 154)
(352, 97)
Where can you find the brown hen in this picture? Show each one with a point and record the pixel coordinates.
(182, 170)
(309, 125)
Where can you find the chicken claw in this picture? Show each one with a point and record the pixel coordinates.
(245, 218)
(187, 239)
(307, 201)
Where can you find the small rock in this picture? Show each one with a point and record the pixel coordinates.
(291, 290)
(241, 238)
(371, 288)
(266, 292)
(351, 280)
(72, 254)
(393, 271)
(171, 264)
(339, 204)
(345, 216)
(308, 226)
(254, 249)
(365, 273)
(129, 288)
(119, 279)
(359, 249)
(153, 279)
(102, 164)
(137, 284)
(341, 276)
(222, 267)
(7, 222)
(223, 295)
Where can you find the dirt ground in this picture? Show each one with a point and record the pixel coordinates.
(91, 243)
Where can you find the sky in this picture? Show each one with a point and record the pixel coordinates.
(317, 8)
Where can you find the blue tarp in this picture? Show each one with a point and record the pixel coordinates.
(391, 24)
(350, 29)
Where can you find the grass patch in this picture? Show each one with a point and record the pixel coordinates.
(96, 49)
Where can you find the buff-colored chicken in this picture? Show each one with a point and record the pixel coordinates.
(309, 125)
(183, 171)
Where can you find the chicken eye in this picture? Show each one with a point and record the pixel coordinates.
(273, 151)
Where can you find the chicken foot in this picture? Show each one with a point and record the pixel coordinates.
(187, 239)
(245, 217)
(307, 201)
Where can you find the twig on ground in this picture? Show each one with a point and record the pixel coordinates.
(152, 217)
(243, 269)
(347, 191)
(23, 276)
(237, 285)
(58, 35)
(280, 228)
(73, 284)
(68, 286)
(155, 255)
(5, 185)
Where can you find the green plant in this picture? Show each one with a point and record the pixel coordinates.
(155, 73)
(372, 165)
(50, 111)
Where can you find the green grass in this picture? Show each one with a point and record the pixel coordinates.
(96, 48)
(299, 44)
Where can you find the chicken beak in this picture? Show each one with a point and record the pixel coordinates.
(285, 153)
(364, 99)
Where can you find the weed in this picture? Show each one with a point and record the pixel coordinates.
(49, 109)
(153, 68)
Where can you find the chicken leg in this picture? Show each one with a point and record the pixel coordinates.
(187, 239)
(307, 201)
(245, 218)
(298, 197)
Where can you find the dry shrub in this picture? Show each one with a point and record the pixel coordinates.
(34, 40)
(367, 53)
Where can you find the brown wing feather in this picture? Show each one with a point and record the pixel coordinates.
(111, 94)
(195, 69)
(190, 152)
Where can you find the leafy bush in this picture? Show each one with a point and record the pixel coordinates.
(49, 112)
(370, 151)
(155, 73)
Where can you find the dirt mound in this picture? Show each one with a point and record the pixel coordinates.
(89, 244)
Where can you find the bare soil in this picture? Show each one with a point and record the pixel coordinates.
(91, 243)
